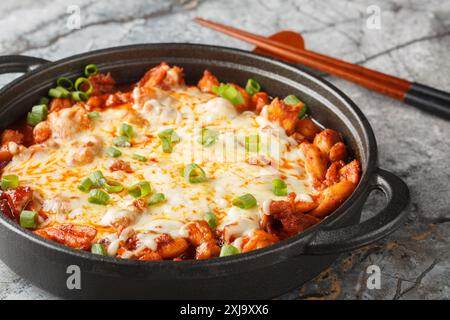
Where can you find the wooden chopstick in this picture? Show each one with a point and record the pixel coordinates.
(371, 79)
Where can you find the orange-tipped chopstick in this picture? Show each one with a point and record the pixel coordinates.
(386, 84)
(421, 96)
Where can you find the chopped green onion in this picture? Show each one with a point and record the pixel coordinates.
(64, 82)
(28, 219)
(79, 96)
(44, 100)
(98, 248)
(122, 142)
(90, 70)
(113, 152)
(156, 198)
(85, 185)
(211, 219)
(9, 181)
(93, 115)
(59, 92)
(252, 87)
(228, 250)
(140, 189)
(252, 143)
(303, 111)
(38, 114)
(279, 187)
(111, 186)
(230, 93)
(80, 82)
(194, 173)
(168, 138)
(246, 201)
(139, 157)
(291, 99)
(97, 177)
(208, 137)
(97, 196)
(126, 130)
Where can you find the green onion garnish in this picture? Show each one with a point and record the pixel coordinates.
(9, 181)
(98, 248)
(80, 82)
(139, 157)
(44, 100)
(140, 189)
(230, 93)
(211, 219)
(246, 201)
(64, 82)
(28, 219)
(97, 196)
(168, 138)
(291, 99)
(252, 143)
(85, 185)
(93, 115)
(156, 198)
(279, 187)
(228, 250)
(90, 70)
(126, 130)
(59, 92)
(97, 178)
(194, 173)
(113, 152)
(122, 141)
(208, 137)
(38, 114)
(79, 96)
(302, 111)
(252, 87)
(111, 186)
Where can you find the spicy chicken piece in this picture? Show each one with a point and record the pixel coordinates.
(207, 82)
(149, 255)
(169, 248)
(120, 165)
(258, 240)
(351, 172)
(288, 218)
(325, 140)
(259, 101)
(12, 136)
(315, 163)
(72, 235)
(285, 115)
(307, 128)
(202, 237)
(42, 132)
(338, 152)
(13, 201)
(101, 83)
(58, 104)
(162, 76)
(332, 197)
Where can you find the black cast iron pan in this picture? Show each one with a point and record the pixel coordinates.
(259, 274)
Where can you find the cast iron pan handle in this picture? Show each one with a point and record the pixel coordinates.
(364, 233)
(11, 64)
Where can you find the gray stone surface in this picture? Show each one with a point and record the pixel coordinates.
(413, 42)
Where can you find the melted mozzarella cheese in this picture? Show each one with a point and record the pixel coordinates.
(51, 170)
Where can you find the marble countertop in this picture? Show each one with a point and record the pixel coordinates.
(413, 42)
